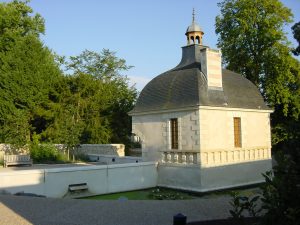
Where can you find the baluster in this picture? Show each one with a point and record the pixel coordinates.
(169, 157)
(197, 158)
(163, 157)
(176, 158)
(184, 158)
(191, 158)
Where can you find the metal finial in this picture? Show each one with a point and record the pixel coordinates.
(193, 15)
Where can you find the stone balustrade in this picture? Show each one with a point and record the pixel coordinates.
(223, 157)
(217, 157)
(180, 157)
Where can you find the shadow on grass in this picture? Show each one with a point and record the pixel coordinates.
(159, 193)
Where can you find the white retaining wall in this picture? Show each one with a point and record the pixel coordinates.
(111, 159)
(201, 179)
(100, 179)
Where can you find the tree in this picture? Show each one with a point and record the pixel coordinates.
(89, 105)
(95, 99)
(296, 32)
(28, 74)
(253, 44)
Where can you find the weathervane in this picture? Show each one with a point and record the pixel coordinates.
(193, 15)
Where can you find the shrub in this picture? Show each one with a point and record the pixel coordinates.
(46, 153)
(280, 197)
(242, 205)
(164, 194)
(281, 192)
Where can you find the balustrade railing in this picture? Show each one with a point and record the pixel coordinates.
(230, 156)
(182, 157)
(216, 157)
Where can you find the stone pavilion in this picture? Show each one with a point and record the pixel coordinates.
(207, 127)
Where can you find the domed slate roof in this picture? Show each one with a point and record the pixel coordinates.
(186, 86)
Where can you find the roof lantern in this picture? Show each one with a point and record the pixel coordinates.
(194, 32)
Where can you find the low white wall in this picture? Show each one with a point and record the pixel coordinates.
(29, 181)
(101, 179)
(111, 159)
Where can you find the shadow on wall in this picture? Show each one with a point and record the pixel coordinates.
(56, 182)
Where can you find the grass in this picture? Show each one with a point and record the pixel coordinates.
(130, 195)
(146, 194)
(171, 194)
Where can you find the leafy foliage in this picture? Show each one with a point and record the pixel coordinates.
(86, 104)
(281, 193)
(100, 97)
(296, 32)
(166, 194)
(280, 196)
(28, 73)
(45, 153)
(242, 204)
(254, 44)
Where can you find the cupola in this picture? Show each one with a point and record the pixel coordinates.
(194, 32)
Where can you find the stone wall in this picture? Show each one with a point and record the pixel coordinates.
(8, 149)
(102, 149)
(154, 132)
(111, 159)
(217, 131)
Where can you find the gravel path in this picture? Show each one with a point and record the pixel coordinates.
(46, 211)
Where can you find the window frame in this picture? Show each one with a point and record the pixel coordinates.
(237, 132)
(174, 133)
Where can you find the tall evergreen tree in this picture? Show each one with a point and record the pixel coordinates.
(28, 73)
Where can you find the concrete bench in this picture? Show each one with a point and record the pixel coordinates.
(13, 160)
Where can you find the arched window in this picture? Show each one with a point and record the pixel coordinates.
(197, 39)
(193, 39)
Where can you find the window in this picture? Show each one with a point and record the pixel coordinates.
(237, 132)
(174, 133)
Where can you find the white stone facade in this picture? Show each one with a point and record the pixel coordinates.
(206, 158)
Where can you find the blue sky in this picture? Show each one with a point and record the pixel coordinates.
(147, 34)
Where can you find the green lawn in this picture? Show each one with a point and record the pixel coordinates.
(147, 194)
(171, 194)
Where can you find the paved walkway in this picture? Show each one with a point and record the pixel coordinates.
(45, 211)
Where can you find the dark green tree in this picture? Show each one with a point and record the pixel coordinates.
(253, 44)
(88, 105)
(296, 32)
(28, 74)
(97, 96)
